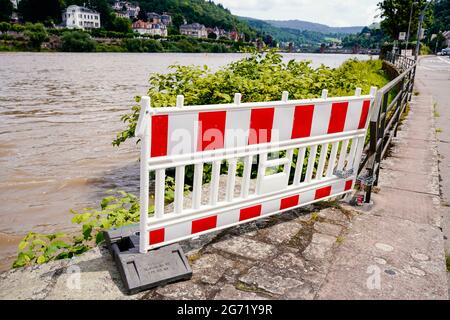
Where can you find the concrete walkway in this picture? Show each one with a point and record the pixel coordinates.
(326, 251)
(396, 250)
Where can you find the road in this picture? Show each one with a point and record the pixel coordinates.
(433, 77)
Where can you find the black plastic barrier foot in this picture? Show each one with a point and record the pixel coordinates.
(143, 271)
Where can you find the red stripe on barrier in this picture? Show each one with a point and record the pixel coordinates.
(156, 236)
(289, 202)
(337, 118)
(261, 121)
(250, 212)
(160, 126)
(364, 114)
(211, 130)
(322, 192)
(204, 224)
(348, 185)
(303, 116)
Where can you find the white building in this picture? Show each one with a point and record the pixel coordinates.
(81, 18)
(154, 29)
(195, 30)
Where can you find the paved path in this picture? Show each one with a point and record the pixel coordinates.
(433, 79)
(396, 250)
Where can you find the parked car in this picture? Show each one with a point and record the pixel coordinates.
(446, 51)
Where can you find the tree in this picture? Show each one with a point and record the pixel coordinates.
(6, 10)
(5, 27)
(268, 40)
(212, 35)
(120, 24)
(441, 20)
(142, 15)
(36, 35)
(77, 41)
(396, 13)
(40, 10)
(177, 20)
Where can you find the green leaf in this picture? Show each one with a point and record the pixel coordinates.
(22, 245)
(41, 260)
(99, 238)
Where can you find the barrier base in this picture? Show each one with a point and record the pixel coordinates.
(143, 271)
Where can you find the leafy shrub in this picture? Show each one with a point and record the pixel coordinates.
(260, 77)
(77, 41)
(142, 45)
(36, 38)
(115, 211)
(5, 27)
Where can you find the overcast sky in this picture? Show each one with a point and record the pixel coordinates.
(335, 13)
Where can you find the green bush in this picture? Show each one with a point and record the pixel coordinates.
(260, 77)
(115, 211)
(5, 27)
(77, 41)
(142, 45)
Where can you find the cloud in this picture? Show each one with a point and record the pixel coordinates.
(336, 13)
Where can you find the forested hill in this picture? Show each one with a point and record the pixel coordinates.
(312, 26)
(201, 11)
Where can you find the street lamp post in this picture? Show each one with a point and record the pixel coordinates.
(409, 25)
(419, 29)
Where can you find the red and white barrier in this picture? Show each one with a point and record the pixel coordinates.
(325, 136)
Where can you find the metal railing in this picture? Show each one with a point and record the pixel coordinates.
(390, 103)
(402, 63)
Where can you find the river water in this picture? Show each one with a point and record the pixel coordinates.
(59, 113)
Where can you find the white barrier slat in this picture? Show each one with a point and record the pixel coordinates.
(311, 163)
(179, 189)
(197, 188)
(231, 180)
(359, 150)
(351, 154)
(299, 165)
(321, 165)
(160, 183)
(343, 154)
(245, 188)
(214, 185)
(332, 160)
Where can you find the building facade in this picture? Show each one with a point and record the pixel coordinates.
(81, 18)
(195, 30)
(150, 28)
(126, 9)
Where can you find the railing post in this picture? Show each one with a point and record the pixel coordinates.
(399, 104)
(381, 134)
(373, 129)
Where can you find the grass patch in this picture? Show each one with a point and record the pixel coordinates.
(340, 240)
(435, 112)
(438, 130)
(447, 262)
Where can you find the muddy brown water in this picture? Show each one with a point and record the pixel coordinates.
(59, 113)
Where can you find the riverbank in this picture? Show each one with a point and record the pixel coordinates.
(36, 37)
